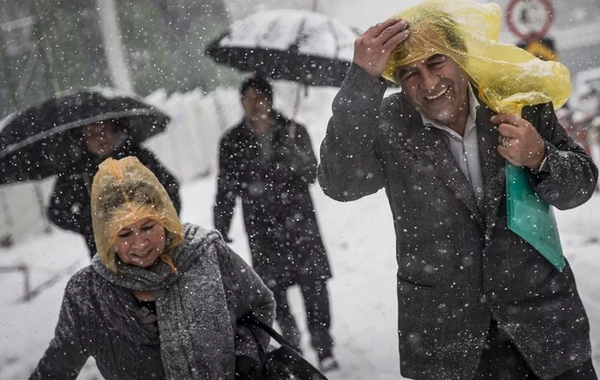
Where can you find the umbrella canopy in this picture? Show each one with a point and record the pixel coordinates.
(38, 142)
(301, 46)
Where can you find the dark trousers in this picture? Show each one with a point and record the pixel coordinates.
(318, 319)
(502, 361)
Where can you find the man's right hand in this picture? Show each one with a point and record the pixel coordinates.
(373, 48)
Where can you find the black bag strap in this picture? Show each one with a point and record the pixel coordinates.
(250, 320)
(284, 362)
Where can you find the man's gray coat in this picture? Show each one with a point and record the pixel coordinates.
(459, 266)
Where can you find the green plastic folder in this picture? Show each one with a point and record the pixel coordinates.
(531, 217)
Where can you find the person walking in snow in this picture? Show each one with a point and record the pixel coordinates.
(271, 172)
(161, 300)
(475, 300)
(69, 206)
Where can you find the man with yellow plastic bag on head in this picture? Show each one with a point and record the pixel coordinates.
(476, 300)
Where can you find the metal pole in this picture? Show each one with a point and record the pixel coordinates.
(41, 205)
(292, 135)
(27, 77)
(6, 72)
(6, 240)
(113, 46)
(23, 86)
(43, 35)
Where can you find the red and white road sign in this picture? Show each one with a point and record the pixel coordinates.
(529, 19)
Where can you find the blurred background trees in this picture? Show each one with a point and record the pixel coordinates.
(49, 46)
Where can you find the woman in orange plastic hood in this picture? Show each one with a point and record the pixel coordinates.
(161, 300)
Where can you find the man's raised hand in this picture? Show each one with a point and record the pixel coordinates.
(373, 48)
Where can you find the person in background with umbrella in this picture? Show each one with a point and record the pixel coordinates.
(68, 135)
(69, 206)
(475, 299)
(161, 299)
(270, 170)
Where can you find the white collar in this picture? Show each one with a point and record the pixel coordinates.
(470, 123)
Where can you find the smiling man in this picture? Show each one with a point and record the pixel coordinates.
(438, 88)
(475, 300)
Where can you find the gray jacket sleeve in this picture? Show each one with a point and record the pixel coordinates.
(256, 297)
(66, 355)
(350, 167)
(570, 176)
(250, 295)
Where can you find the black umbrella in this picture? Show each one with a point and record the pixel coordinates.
(302, 46)
(38, 142)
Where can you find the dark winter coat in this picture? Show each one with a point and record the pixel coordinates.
(69, 206)
(458, 267)
(101, 319)
(280, 220)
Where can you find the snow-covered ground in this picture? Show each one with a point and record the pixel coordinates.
(359, 237)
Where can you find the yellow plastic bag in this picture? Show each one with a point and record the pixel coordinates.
(507, 78)
(123, 192)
